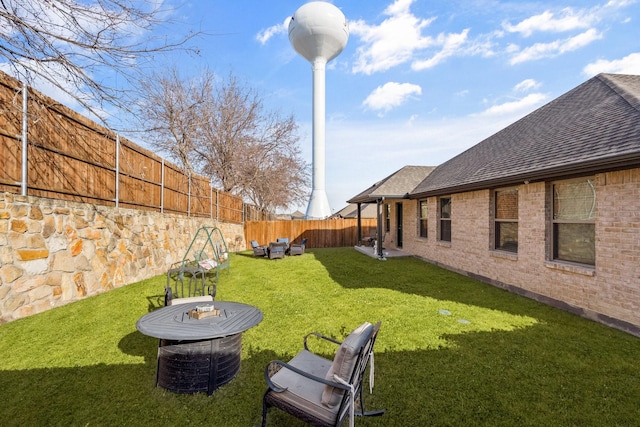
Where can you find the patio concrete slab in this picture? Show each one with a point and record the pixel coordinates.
(388, 252)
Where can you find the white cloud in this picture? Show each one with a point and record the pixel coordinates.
(399, 39)
(265, 35)
(526, 104)
(620, 3)
(526, 85)
(555, 48)
(451, 44)
(548, 22)
(630, 64)
(391, 43)
(391, 95)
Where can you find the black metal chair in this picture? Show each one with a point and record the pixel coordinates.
(188, 282)
(320, 391)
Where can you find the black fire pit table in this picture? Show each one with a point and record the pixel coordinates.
(198, 354)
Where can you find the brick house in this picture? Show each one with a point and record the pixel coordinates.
(548, 207)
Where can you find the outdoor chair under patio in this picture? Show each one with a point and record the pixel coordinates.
(298, 248)
(257, 249)
(320, 391)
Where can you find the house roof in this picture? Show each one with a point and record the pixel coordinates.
(396, 186)
(297, 215)
(351, 211)
(593, 128)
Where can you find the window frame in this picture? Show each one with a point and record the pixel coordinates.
(444, 233)
(387, 217)
(423, 223)
(556, 223)
(499, 222)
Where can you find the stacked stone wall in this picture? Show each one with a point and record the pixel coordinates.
(54, 252)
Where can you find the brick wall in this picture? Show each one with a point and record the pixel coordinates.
(54, 252)
(609, 293)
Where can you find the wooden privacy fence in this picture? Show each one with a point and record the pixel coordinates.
(72, 158)
(327, 233)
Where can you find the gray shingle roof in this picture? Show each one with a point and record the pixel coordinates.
(351, 211)
(592, 128)
(396, 186)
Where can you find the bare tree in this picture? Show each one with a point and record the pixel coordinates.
(70, 44)
(221, 128)
(171, 114)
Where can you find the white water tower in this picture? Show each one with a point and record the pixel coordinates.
(318, 31)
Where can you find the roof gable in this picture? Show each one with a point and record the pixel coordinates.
(395, 186)
(351, 211)
(593, 127)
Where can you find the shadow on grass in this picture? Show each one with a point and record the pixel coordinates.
(120, 395)
(489, 379)
(559, 371)
(417, 277)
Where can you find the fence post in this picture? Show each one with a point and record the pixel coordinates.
(189, 194)
(117, 170)
(25, 144)
(162, 187)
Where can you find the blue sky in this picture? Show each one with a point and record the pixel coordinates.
(419, 81)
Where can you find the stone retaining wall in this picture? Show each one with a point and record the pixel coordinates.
(53, 252)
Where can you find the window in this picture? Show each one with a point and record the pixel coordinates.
(506, 220)
(422, 218)
(574, 211)
(445, 219)
(387, 217)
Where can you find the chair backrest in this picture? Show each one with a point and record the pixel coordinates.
(254, 244)
(359, 371)
(360, 344)
(303, 242)
(283, 240)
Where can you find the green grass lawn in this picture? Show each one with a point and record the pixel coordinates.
(451, 352)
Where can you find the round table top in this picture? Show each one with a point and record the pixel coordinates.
(174, 323)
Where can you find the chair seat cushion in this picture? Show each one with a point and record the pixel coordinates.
(344, 362)
(304, 393)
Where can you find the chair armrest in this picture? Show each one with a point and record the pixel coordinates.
(320, 336)
(284, 365)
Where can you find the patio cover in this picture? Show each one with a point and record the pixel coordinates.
(398, 185)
